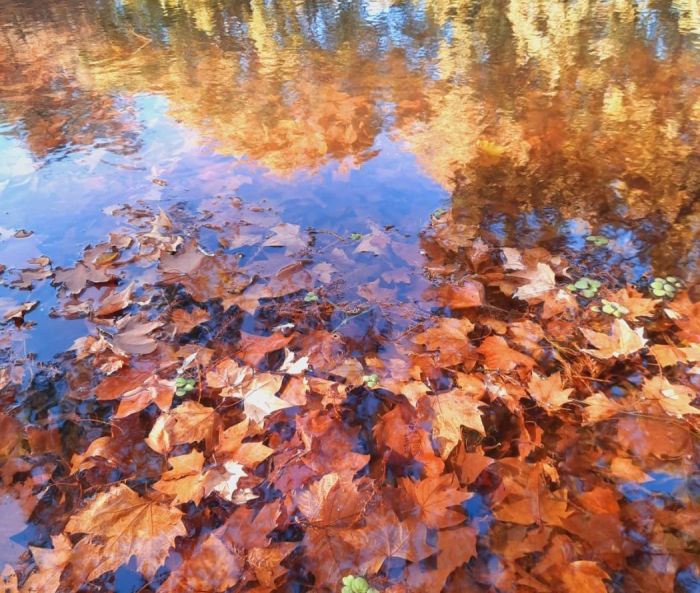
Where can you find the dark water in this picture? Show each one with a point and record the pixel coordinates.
(540, 122)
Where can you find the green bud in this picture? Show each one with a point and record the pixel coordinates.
(347, 580)
(346, 589)
(359, 585)
(311, 297)
(582, 283)
(356, 236)
(371, 380)
(598, 240)
(180, 381)
(188, 387)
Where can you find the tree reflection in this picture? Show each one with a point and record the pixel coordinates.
(588, 106)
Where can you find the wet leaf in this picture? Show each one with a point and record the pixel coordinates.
(122, 524)
(622, 340)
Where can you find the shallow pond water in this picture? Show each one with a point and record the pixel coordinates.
(532, 124)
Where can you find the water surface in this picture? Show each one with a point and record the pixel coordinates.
(536, 122)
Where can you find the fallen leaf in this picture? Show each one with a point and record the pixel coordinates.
(541, 281)
(115, 301)
(185, 482)
(18, 313)
(123, 524)
(430, 500)
(499, 355)
(50, 563)
(76, 279)
(211, 568)
(133, 336)
(451, 411)
(676, 400)
(467, 295)
(288, 236)
(188, 423)
(549, 392)
(622, 340)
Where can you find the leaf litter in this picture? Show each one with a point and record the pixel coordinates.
(283, 412)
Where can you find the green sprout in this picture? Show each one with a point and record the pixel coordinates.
(311, 297)
(353, 584)
(356, 236)
(665, 287)
(597, 240)
(371, 380)
(585, 286)
(439, 213)
(184, 386)
(612, 308)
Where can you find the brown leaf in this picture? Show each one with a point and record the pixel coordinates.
(76, 279)
(451, 411)
(115, 301)
(584, 576)
(549, 392)
(675, 400)
(260, 399)
(18, 313)
(600, 407)
(153, 390)
(500, 356)
(50, 563)
(186, 321)
(123, 524)
(133, 336)
(211, 568)
(621, 341)
(332, 501)
(231, 446)
(252, 349)
(185, 481)
(288, 236)
(430, 500)
(8, 580)
(469, 294)
(121, 382)
(375, 242)
(188, 423)
(265, 562)
(186, 261)
(541, 281)
(230, 377)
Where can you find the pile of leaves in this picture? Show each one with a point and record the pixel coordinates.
(257, 407)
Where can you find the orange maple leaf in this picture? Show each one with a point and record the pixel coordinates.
(430, 500)
(549, 392)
